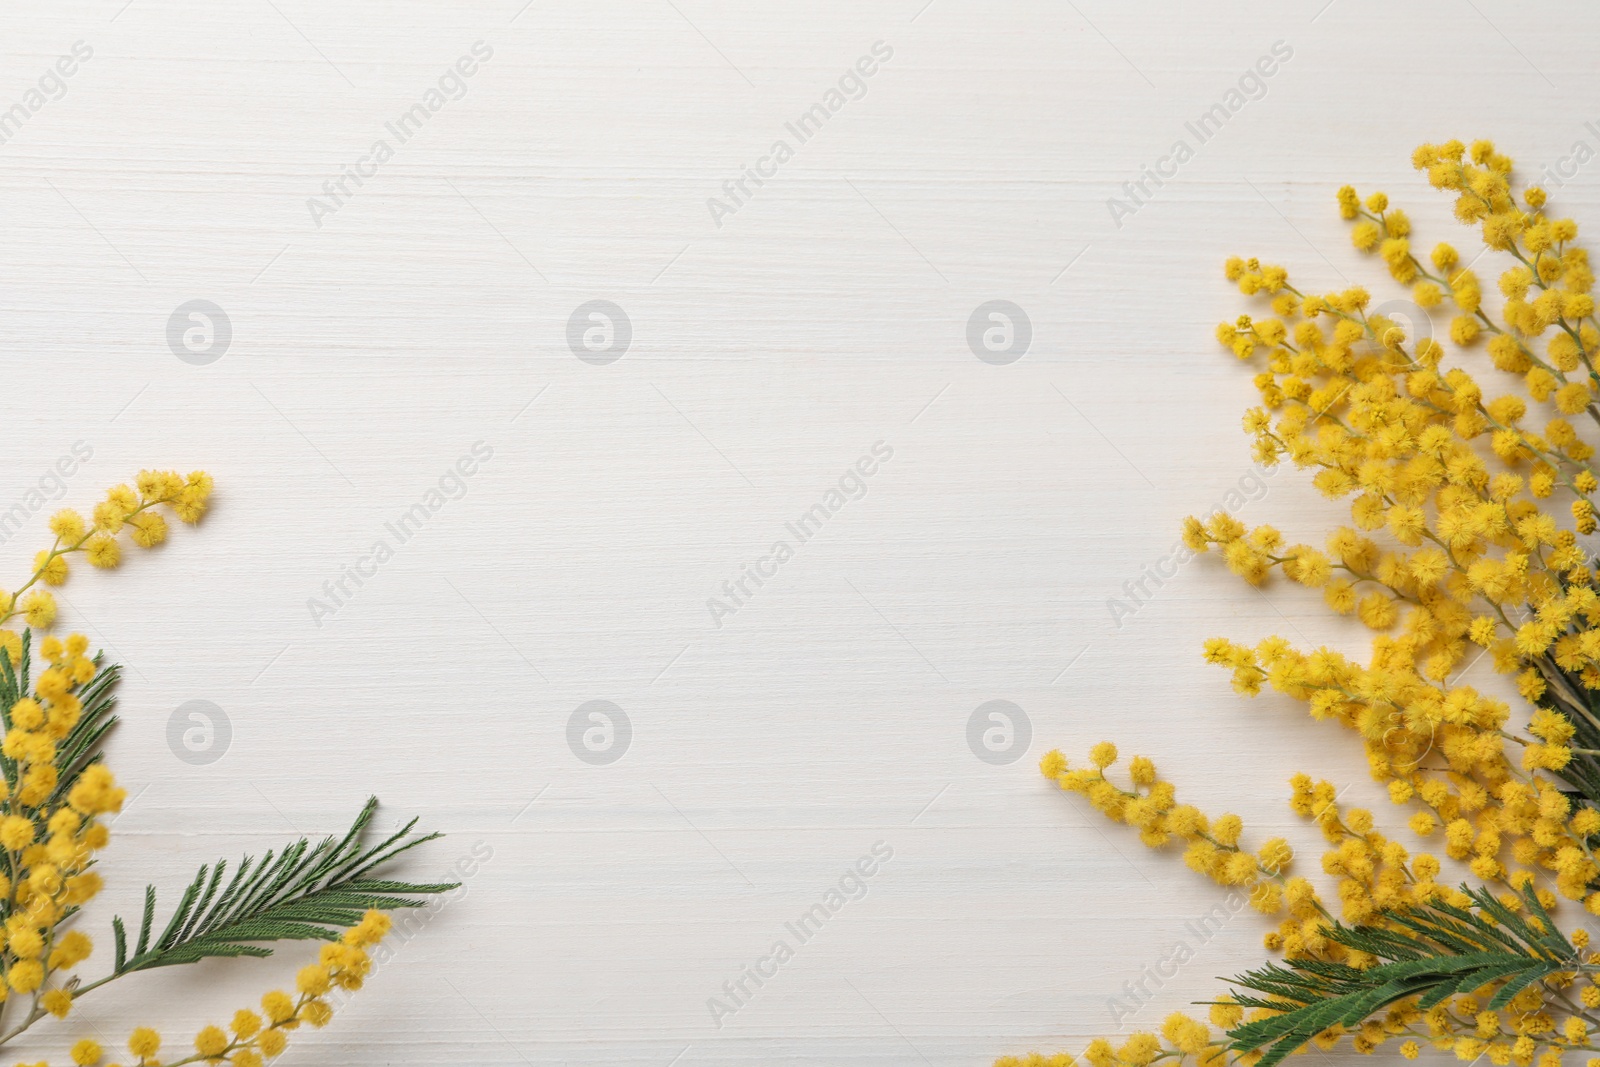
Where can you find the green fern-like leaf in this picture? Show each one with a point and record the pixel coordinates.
(300, 893)
(1442, 951)
(13, 687)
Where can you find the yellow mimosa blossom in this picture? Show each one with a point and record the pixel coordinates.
(1461, 446)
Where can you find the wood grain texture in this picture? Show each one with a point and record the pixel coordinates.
(829, 312)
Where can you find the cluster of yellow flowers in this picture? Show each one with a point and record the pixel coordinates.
(1467, 508)
(1151, 806)
(49, 839)
(132, 507)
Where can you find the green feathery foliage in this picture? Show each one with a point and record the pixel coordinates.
(1568, 696)
(305, 893)
(1443, 951)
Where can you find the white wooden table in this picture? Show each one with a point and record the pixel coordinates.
(373, 315)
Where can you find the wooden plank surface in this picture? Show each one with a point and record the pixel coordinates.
(381, 332)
